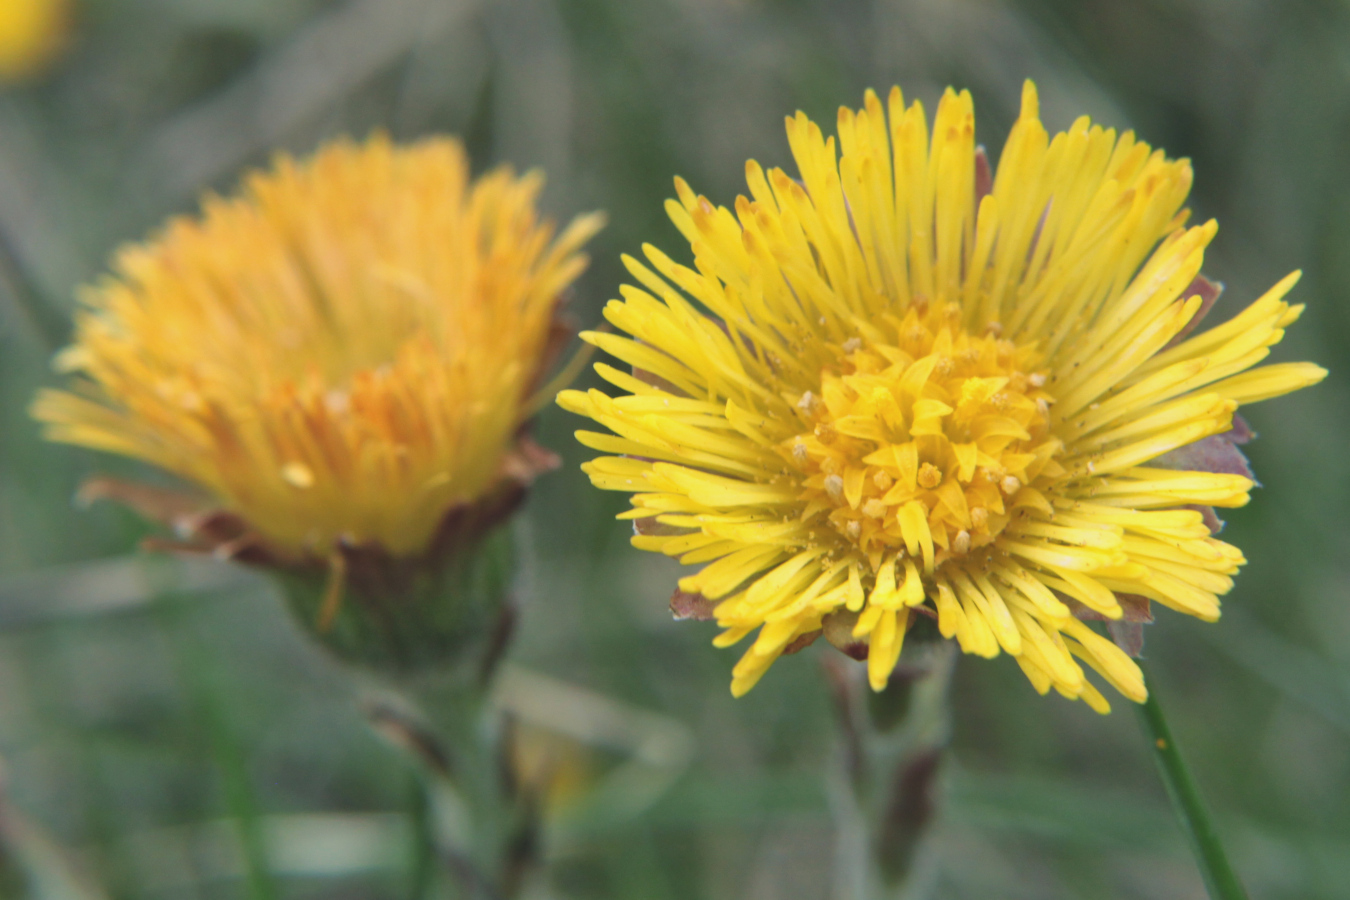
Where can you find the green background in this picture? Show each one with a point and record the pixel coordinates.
(154, 714)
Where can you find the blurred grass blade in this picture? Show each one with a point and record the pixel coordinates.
(422, 843)
(330, 57)
(45, 866)
(201, 676)
(106, 587)
(1303, 675)
(50, 326)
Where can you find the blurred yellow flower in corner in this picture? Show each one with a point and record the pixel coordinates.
(32, 32)
(342, 353)
(905, 385)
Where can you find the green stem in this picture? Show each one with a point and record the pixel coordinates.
(1220, 879)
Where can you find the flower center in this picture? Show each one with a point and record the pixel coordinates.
(923, 441)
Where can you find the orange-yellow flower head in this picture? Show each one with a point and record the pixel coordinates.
(343, 352)
(900, 386)
(32, 32)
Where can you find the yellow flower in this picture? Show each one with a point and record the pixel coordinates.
(31, 33)
(344, 352)
(904, 390)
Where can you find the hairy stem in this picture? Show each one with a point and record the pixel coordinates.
(481, 824)
(883, 782)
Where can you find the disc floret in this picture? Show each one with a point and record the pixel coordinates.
(922, 446)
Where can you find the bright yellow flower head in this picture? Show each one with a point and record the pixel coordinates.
(31, 33)
(904, 390)
(343, 352)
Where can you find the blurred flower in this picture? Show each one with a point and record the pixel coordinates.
(343, 357)
(31, 34)
(917, 389)
(553, 768)
(346, 351)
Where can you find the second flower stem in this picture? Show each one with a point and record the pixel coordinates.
(1220, 879)
(884, 780)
